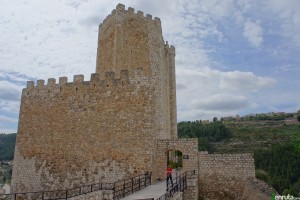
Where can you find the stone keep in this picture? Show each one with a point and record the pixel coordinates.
(104, 129)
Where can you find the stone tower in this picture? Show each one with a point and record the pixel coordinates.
(129, 41)
(106, 128)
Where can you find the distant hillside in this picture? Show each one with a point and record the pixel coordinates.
(7, 146)
(250, 135)
(239, 136)
(274, 143)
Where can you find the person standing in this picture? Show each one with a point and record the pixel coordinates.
(169, 176)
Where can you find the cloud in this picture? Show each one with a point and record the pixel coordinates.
(180, 86)
(215, 80)
(10, 106)
(287, 13)
(243, 81)
(9, 91)
(5, 119)
(221, 102)
(215, 8)
(13, 77)
(8, 124)
(205, 93)
(253, 33)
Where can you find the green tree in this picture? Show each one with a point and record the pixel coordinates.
(298, 115)
(281, 166)
(205, 132)
(7, 146)
(205, 145)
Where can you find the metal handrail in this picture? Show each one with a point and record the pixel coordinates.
(85, 189)
(179, 185)
(131, 185)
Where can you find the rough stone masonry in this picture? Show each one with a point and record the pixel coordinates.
(105, 128)
(119, 123)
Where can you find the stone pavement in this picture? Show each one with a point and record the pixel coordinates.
(153, 191)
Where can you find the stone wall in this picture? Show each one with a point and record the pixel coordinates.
(188, 147)
(104, 129)
(223, 176)
(226, 165)
(192, 191)
(81, 132)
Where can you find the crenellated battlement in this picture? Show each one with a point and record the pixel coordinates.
(120, 9)
(95, 81)
(95, 77)
(170, 49)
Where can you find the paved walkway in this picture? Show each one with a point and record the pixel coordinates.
(152, 191)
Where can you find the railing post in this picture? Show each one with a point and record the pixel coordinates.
(179, 183)
(66, 194)
(145, 180)
(43, 195)
(124, 188)
(182, 184)
(131, 185)
(139, 183)
(114, 189)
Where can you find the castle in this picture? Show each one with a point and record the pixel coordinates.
(119, 123)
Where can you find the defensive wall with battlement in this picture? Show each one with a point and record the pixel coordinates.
(119, 123)
(103, 129)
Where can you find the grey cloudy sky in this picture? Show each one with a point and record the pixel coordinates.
(232, 56)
